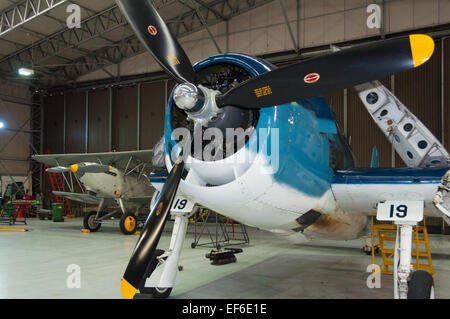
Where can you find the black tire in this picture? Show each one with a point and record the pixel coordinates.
(156, 293)
(128, 224)
(161, 294)
(420, 285)
(89, 223)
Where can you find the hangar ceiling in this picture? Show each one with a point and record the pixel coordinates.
(34, 34)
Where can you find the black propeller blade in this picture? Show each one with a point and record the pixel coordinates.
(157, 38)
(332, 72)
(146, 245)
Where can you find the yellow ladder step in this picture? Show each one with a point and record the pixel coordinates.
(388, 233)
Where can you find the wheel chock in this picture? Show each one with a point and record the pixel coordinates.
(222, 258)
(85, 231)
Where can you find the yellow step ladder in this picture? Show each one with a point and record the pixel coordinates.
(386, 236)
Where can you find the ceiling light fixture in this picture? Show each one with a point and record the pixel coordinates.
(26, 72)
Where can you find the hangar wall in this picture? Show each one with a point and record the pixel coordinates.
(14, 145)
(15, 113)
(109, 119)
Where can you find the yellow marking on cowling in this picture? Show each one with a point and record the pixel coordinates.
(74, 168)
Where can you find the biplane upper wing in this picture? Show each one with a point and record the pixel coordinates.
(119, 160)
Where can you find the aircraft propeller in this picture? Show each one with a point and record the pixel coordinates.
(146, 245)
(314, 77)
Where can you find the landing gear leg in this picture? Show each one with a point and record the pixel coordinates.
(91, 220)
(163, 277)
(408, 284)
(402, 260)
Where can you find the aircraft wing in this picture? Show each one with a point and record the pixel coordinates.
(119, 160)
(79, 197)
(360, 190)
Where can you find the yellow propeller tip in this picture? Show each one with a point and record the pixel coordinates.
(422, 47)
(74, 168)
(128, 291)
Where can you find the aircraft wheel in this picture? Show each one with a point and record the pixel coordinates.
(421, 285)
(157, 293)
(90, 223)
(128, 224)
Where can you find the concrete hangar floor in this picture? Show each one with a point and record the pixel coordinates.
(34, 265)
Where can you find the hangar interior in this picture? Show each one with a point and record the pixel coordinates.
(95, 89)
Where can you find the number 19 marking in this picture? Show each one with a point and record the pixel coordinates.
(402, 211)
(180, 204)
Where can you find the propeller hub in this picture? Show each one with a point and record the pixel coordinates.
(198, 102)
(187, 97)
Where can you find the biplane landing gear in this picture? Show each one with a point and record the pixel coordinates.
(90, 222)
(128, 224)
(163, 269)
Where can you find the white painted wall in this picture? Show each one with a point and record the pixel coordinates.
(318, 22)
(14, 116)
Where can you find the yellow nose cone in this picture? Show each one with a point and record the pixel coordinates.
(422, 47)
(128, 291)
(74, 168)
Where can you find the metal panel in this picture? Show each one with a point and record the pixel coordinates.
(420, 90)
(152, 113)
(124, 118)
(54, 124)
(98, 121)
(364, 134)
(76, 122)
